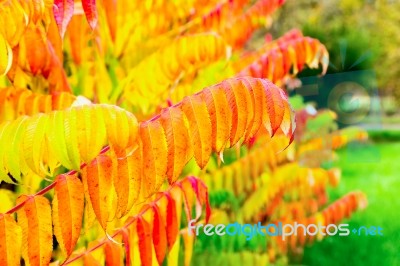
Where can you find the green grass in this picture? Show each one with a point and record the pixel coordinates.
(374, 169)
(384, 135)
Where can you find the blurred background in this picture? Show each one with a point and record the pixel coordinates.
(362, 37)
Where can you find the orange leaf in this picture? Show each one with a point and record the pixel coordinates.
(89, 260)
(111, 15)
(10, 241)
(155, 153)
(36, 59)
(99, 184)
(68, 206)
(144, 234)
(256, 88)
(238, 103)
(77, 39)
(55, 73)
(113, 254)
(37, 237)
(217, 105)
(275, 107)
(200, 128)
(288, 119)
(252, 104)
(178, 140)
(188, 198)
(127, 181)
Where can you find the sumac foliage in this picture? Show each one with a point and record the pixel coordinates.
(109, 109)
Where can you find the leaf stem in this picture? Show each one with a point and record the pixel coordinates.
(41, 192)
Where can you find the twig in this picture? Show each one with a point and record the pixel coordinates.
(51, 186)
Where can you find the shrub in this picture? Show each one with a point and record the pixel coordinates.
(101, 121)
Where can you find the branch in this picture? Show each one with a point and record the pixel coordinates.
(51, 186)
(120, 230)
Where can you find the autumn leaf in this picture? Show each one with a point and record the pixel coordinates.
(10, 241)
(63, 11)
(34, 61)
(113, 254)
(156, 226)
(172, 221)
(144, 234)
(178, 141)
(70, 137)
(89, 7)
(276, 60)
(159, 235)
(35, 220)
(188, 240)
(154, 152)
(99, 185)
(186, 54)
(68, 206)
(237, 101)
(127, 181)
(16, 102)
(6, 56)
(217, 105)
(199, 127)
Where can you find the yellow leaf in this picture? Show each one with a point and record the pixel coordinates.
(4, 129)
(6, 56)
(122, 128)
(37, 237)
(10, 241)
(33, 145)
(69, 137)
(7, 200)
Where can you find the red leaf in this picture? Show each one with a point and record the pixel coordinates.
(125, 240)
(144, 234)
(63, 11)
(159, 235)
(89, 6)
(172, 221)
(202, 194)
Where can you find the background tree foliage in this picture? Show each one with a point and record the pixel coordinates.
(109, 108)
(359, 34)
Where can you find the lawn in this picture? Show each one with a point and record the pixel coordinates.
(374, 169)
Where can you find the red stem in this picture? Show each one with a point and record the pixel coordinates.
(41, 192)
(51, 186)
